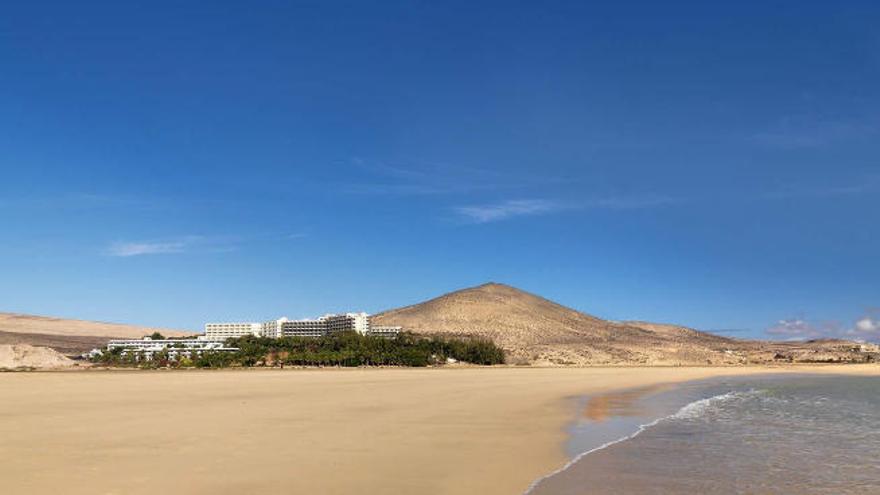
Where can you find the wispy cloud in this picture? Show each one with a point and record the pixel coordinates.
(508, 209)
(139, 248)
(177, 245)
(524, 207)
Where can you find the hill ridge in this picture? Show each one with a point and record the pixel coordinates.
(68, 335)
(536, 330)
(55, 325)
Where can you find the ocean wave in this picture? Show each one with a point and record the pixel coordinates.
(692, 410)
(701, 407)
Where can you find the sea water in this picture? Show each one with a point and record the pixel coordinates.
(800, 435)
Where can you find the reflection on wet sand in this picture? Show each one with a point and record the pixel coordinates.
(798, 434)
(623, 403)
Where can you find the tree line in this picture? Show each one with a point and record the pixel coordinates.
(341, 349)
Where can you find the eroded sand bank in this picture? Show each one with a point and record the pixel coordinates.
(425, 431)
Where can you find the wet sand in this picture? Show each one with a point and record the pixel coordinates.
(787, 434)
(426, 431)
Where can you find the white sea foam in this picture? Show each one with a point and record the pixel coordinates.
(690, 411)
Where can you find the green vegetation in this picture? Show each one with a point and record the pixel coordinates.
(344, 349)
(156, 336)
(115, 357)
(352, 349)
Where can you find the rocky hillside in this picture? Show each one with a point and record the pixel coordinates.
(538, 331)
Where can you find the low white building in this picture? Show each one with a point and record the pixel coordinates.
(147, 347)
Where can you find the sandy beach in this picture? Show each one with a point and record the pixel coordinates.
(426, 431)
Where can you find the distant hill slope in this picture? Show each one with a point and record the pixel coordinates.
(500, 312)
(21, 323)
(69, 336)
(680, 332)
(535, 330)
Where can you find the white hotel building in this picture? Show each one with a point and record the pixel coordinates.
(284, 327)
(217, 333)
(223, 331)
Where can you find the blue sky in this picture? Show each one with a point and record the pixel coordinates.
(708, 164)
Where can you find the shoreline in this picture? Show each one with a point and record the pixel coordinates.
(455, 430)
(621, 404)
(721, 431)
(770, 368)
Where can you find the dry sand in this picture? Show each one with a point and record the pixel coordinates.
(370, 431)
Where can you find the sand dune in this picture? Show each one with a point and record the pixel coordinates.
(27, 356)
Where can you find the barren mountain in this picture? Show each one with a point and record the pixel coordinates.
(535, 330)
(69, 336)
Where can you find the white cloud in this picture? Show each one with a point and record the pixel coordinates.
(508, 209)
(867, 324)
(866, 328)
(126, 249)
